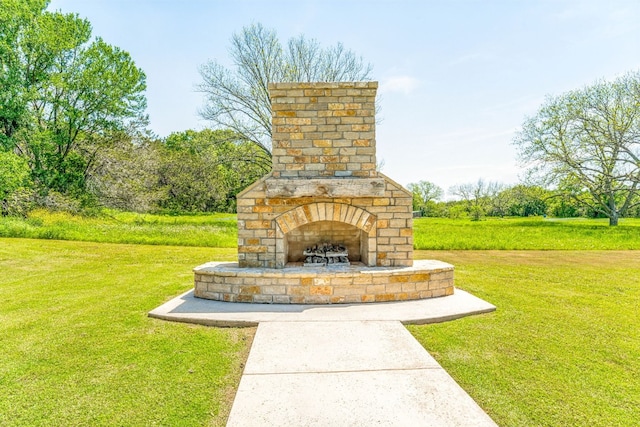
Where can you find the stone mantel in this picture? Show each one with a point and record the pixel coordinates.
(324, 187)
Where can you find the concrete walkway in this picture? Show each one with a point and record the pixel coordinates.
(341, 365)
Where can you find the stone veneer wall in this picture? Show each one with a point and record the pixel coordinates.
(324, 170)
(323, 129)
(300, 285)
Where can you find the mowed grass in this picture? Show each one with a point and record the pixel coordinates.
(77, 347)
(525, 234)
(220, 231)
(563, 347)
(210, 230)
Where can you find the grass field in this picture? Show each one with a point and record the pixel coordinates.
(77, 347)
(563, 347)
(525, 234)
(220, 231)
(211, 230)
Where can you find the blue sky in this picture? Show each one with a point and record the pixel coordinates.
(457, 77)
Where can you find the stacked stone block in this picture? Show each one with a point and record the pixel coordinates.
(324, 171)
(323, 129)
(228, 282)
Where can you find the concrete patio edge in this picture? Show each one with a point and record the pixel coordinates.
(189, 309)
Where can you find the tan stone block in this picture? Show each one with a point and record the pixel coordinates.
(284, 113)
(362, 142)
(422, 286)
(263, 299)
(367, 298)
(322, 143)
(336, 167)
(344, 113)
(442, 275)
(402, 296)
(249, 290)
(385, 297)
(297, 290)
(408, 287)
(419, 277)
(337, 281)
(375, 289)
(262, 209)
(379, 201)
(399, 279)
(274, 289)
(393, 288)
(321, 281)
(316, 299)
(438, 293)
(252, 249)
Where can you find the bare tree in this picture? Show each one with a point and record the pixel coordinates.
(477, 196)
(587, 144)
(238, 98)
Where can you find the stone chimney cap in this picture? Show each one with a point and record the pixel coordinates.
(324, 85)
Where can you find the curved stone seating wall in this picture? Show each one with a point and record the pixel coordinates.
(323, 285)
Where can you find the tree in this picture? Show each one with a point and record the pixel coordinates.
(522, 200)
(586, 143)
(126, 173)
(477, 196)
(69, 94)
(425, 194)
(14, 178)
(204, 170)
(238, 99)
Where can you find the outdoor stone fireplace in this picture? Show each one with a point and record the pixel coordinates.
(324, 203)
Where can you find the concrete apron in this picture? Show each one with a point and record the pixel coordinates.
(347, 373)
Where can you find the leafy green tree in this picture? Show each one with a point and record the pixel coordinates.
(204, 170)
(238, 99)
(16, 78)
(69, 94)
(425, 194)
(586, 143)
(523, 200)
(14, 177)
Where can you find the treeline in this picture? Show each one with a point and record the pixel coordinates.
(73, 128)
(191, 171)
(491, 199)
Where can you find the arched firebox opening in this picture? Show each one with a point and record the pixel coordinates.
(319, 225)
(342, 238)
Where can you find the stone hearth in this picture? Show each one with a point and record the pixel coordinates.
(324, 187)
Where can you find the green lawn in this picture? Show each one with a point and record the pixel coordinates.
(220, 231)
(525, 234)
(210, 230)
(563, 347)
(77, 347)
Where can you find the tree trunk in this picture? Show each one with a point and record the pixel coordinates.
(613, 219)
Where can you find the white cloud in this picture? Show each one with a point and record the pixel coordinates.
(401, 84)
